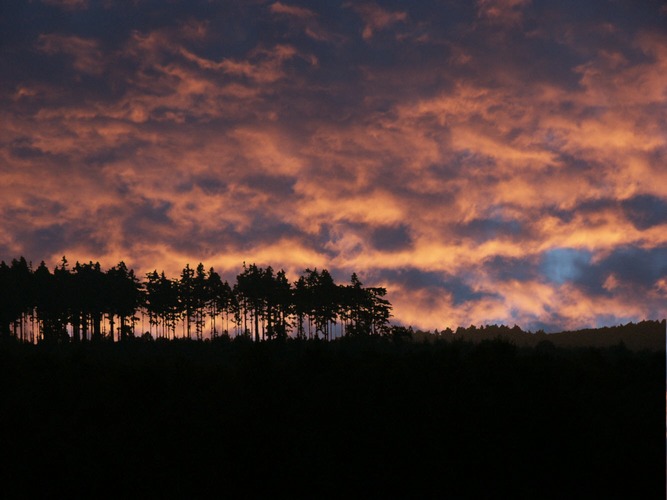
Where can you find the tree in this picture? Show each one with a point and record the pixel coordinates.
(365, 309)
(215, 298)
(162, 302)
(186, 289)
(10, 309)
(355, 299)
(200, 299)
(152, 301)
(80, 298)
(49, 305)
(282, 298)
(250, 289)
(380, 310)
(124, 298)
(301, 303)
(324, 301)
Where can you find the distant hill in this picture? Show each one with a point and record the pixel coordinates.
(635, 336)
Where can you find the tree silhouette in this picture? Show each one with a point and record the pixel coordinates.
(282, 298)
(88, 300)
(215, 300)
(186, 289)
(250, 288)
(324, 304)
(151, 290)
(301, 301)
(14, 295)
(76, 304)
(162, 303)
(201, 299)
(124, 296)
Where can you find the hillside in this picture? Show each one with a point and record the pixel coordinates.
(370, 415)
(635, 336)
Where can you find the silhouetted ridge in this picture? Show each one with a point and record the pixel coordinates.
(84, 302)
(635, 336)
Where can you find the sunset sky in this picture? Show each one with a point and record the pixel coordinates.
(498, 161)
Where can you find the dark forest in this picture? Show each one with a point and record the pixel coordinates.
(335, 401)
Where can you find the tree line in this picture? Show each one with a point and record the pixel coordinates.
(84, 302)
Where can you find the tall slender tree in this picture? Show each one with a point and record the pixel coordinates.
(187, 297)
(200, 299)
(250, 289)
(124, 295)
(72, 303)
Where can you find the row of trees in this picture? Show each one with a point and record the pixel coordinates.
(84, 302)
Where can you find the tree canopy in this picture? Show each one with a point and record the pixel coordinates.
(84, 302)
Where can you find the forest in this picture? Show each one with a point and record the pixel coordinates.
(365, 415)
(335, 402)
(84, 302)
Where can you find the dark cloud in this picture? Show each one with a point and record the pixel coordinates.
(491, 229)
(508, 268)
(59, 239)
(47, 240)
(210, 184)
(391, 239)
(34, 206)
(437, 283)
(278, 186)
(626, 272)
(637, 267)
(585, 208)
(645, 211)
(415, 278)
(22, 148)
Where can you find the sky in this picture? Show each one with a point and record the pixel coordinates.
(497, 161)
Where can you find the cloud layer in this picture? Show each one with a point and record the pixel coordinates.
(499, 161)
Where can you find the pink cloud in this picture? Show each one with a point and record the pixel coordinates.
(87, 57)
(505, 12)
(305, 20)
(376, 18)
(292, 10)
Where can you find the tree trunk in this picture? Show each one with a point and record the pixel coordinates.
(256, 324)
(97, 326)
(76, 328)
(84, 329)
(121, 329)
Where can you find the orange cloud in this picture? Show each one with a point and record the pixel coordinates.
(187, 143)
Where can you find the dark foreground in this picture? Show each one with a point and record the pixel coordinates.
(369, 416)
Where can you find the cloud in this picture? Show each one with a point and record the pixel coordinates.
(67, 4)
(518, 182)
(292, 10)
(505, 12)
(390, 239)
(87, 57)
(306, 21)
(645, 211)
(376, 18)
